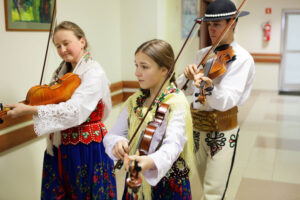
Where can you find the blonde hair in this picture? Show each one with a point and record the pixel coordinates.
(70, 26)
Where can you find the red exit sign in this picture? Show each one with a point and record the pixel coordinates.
(268, 11)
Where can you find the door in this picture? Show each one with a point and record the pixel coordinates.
(290, 48)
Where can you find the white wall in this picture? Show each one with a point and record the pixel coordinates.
(138, 24)
(250, 35)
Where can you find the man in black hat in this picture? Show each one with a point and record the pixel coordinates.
(215, 122)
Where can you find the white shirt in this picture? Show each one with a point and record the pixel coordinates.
(94, 87)
(166, 155)
(232, 88)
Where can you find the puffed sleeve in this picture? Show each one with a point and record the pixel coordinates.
(181, 80)
(118, 132)
(75, 111)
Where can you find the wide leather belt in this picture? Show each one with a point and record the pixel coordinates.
(214, 120)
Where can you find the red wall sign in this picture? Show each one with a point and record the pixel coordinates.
(268, 10)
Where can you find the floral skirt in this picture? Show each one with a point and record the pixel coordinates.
(78, 172)
(170, 189)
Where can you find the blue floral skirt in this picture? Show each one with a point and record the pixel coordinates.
(167, 189)
(78, 172)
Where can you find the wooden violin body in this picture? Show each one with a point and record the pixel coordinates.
(215, 69)
(219, 65)
(134, 180)
(61, 91)
(145, 140)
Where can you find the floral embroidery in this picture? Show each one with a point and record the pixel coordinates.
(74, 135)
(232, 141)
(65, 135)
(85, 134)
(141, 99)
(96, 133)
(215, 140)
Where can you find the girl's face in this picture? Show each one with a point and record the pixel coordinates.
(148, 73)
(68, 46)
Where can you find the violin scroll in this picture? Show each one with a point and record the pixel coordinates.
(134, 181)
(3, 112)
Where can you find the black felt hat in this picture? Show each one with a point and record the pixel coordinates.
(221, 9)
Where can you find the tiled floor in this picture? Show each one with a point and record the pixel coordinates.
(267, 165)
(268, 158)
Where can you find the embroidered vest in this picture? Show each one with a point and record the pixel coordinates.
(92, 130)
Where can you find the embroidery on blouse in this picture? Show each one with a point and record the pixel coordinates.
(145, 93)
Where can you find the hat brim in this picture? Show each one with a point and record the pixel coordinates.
(241, 14)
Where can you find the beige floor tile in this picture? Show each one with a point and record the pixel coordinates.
(286, 167)
(278, 143)
(256, 189)
(261, 164)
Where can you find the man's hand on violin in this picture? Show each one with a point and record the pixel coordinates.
(198, 78)
(190, 71)
(145, 162)
(120, 149)
(19, 109)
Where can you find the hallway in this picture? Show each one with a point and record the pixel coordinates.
(268, 157)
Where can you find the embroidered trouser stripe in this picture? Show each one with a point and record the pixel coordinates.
(232, 162)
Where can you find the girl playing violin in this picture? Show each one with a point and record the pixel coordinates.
(75, 163)
(166, 168)
(215, 123)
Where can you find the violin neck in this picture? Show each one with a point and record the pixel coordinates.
(4, 112)
(207, 68)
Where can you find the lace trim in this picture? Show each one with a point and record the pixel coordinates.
(52, 117)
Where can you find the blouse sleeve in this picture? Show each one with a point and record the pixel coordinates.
(118, 132)
(57, 117)
(181, 80)
(172, 146)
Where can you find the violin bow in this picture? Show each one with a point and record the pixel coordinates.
(49, 38)
(168, 76)
(220, 37)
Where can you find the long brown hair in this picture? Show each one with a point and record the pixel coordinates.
(159, 51)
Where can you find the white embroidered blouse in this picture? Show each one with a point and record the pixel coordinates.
(94, 87)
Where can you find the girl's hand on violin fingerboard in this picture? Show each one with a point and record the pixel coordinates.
(190, 71)
(20, 109)
(145, 162)
(120, 149)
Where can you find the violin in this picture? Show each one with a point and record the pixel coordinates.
(61, 91)
(213, 69)
(134, 180)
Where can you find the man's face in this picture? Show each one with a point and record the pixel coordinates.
(215, 28)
